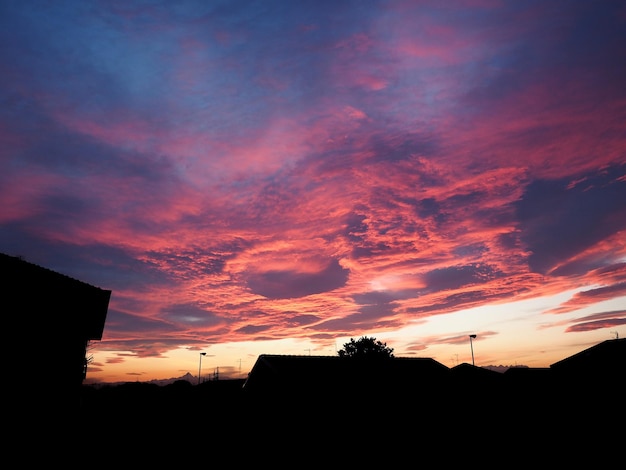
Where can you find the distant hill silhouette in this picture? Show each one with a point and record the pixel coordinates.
(192, 379)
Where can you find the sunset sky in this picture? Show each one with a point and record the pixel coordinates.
(277, 177)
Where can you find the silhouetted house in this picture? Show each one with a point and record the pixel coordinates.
(606, 358)
(286, 375)
(55, 317)
(467, 371)
(599, 370)
(477, 385)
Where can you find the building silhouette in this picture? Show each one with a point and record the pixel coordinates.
(55, 317)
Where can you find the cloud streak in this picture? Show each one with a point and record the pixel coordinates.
(244, 172)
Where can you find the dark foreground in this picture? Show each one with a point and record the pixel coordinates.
(473, 425)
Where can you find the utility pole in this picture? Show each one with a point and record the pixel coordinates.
(472, 347)
(200, 367)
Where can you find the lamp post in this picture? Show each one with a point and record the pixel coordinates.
(472, 347)
(200, 366)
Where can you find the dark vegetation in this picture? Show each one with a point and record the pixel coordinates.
(366, 348)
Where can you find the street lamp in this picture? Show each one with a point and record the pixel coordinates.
(472, 347)
(200, 366)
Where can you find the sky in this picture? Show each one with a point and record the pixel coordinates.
(278, 177)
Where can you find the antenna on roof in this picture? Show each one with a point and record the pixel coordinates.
(616, 334)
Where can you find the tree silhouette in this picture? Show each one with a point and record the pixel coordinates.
(366, 348)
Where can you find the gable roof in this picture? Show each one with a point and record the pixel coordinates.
(307, 373)
(48, 303)
(467, 371)
(605, 357)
